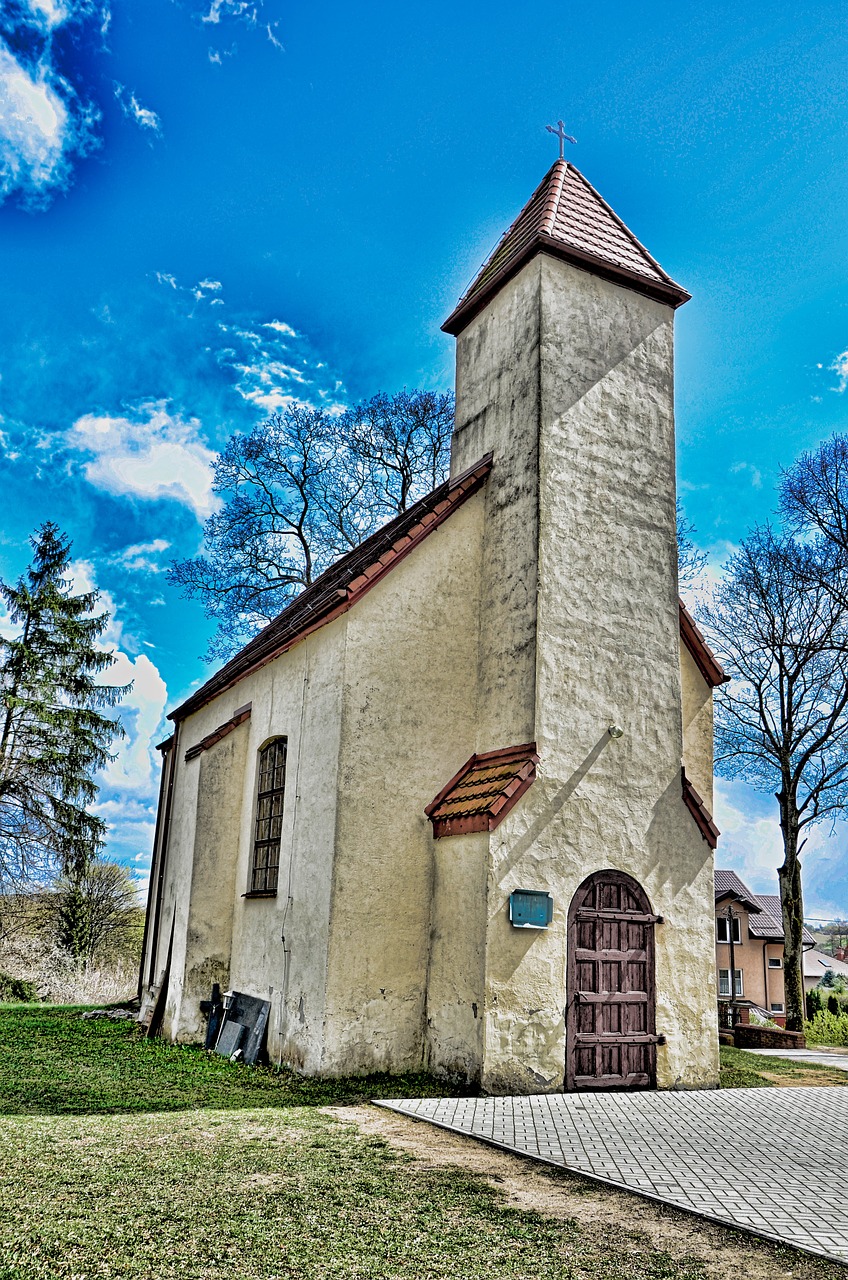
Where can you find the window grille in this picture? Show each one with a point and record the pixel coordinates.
(269, 817)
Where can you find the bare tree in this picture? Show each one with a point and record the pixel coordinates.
(814, 492)
(779, 627)
(300, 490)
(690, 561)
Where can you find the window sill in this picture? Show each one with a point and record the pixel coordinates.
(260, 893)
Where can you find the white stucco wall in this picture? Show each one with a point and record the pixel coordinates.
(607, 652)
(280, 943)
(545, 608)
(457, 977)
(409, 722)
(497, 405)
(697, 727)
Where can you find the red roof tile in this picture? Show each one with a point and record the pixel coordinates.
(705, 660)
(479, 797)
(345, 582)
(566, 217)
(700, 812)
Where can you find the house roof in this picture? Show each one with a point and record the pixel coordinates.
(816, 963)
(765, 907)
(704, 658)
(567, 218)
(770, 923)
(481, 794)
(728, 885)
(345, 582)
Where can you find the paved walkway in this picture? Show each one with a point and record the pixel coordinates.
(824, 1057)
(771, 1161)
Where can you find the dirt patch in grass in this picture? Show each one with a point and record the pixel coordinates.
(817, 1079)
(602, 1213)
(743, 1070)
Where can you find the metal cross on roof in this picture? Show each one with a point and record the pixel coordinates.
(559, 131)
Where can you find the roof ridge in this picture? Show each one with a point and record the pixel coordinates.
(551, 207)
(624, 227)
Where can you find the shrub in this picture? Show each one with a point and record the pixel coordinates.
(16, 989)
(827, 1028)
(833, 1005)
(815, 1003)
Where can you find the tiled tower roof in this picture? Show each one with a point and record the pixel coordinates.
(567, 218)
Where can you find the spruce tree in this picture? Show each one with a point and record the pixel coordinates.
(54, 736)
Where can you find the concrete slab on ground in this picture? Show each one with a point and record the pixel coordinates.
(769, 1161)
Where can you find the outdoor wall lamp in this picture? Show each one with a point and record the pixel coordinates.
(615, 731)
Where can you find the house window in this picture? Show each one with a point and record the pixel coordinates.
(721, 929)
(777, 1008)
(775, 962)
(269, 817)
(724, 982)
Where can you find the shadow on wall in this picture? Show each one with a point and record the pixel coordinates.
(554, 807)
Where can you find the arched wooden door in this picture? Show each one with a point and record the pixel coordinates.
(611, 1012)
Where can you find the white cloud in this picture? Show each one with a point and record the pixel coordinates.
(756, 475)
(840, 368)
(242, 10)
(83, 579)
(213, 285)
(48, 14)
(44, 122)
(135, 768)
(133, 110)
(281, 327)
(138, 558)
(247, 12)
(154, 454)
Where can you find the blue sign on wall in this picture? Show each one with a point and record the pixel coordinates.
(531, 909)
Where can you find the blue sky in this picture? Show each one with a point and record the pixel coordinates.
(210, 206)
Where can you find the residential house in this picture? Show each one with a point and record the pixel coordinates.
(755, 924)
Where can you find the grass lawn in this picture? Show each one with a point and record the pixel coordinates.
(742, 1070)
(121, 1157)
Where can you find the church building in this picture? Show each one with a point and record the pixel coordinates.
(451, 809)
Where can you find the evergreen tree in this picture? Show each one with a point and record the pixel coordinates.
(54, 736)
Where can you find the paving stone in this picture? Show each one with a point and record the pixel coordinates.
(770, 1164)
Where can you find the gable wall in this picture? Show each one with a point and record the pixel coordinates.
(408, 723)
(759, 983)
